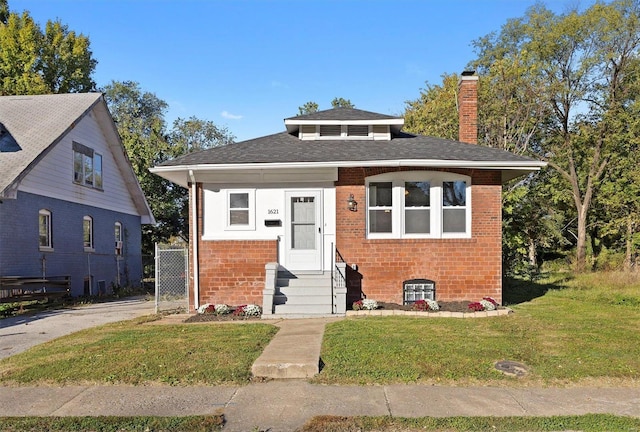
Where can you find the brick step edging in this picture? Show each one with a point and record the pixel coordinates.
(440, 314)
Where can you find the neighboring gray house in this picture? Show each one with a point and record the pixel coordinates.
(70, 203)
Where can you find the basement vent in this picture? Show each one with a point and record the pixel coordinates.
(358, 130)
(330, 130)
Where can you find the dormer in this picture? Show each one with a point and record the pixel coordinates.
(344, 124)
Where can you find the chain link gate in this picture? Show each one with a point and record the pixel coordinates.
(172, 282)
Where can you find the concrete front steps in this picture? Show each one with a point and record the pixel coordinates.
(302, 295)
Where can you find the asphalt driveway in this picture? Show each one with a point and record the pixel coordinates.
(20, 333)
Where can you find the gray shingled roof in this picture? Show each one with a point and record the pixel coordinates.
(34, 124)
(286, 148)
(343, 114)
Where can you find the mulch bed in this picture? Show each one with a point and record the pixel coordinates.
(453, 306)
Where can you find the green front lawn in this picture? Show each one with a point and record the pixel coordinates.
(131, 353)
(583, 330)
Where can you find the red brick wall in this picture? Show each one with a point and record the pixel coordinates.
(230, 271)
(463, 269)
(468, 109)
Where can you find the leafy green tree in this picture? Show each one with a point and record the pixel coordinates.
(140, 118)
(194, 134)
(434, 113)
(308, 108)
(342, 103)
(32, 61)
(581, 59)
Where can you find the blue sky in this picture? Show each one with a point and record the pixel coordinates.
(248, 64)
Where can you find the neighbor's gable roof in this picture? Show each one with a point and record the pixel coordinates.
(284, 150)
(31, 125)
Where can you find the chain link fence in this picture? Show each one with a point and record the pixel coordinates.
(171, 278)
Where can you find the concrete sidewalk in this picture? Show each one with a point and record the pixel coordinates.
(287, 405)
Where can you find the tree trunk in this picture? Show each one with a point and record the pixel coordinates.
(581, 246)
(533, 257)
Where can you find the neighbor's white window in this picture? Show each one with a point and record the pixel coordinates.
(87, 166)
(241, 210)
(118, 235)
(44, 229)
(87, 233)
(419, 204)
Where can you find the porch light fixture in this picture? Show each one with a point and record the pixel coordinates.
(352, 204)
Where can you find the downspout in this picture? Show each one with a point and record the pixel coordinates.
(194, 230)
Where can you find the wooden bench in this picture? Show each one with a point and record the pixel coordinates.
(25, 288)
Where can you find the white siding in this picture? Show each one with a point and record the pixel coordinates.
(269, 205)
(53, 175)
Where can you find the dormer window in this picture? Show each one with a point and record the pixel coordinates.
(358, 130)
(330, 130)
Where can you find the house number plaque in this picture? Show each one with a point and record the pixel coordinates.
(272, 211)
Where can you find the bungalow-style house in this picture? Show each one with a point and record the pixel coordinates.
(280, 220)
(70, 203)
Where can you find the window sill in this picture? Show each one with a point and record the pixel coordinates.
(89, 249)
(46, 249)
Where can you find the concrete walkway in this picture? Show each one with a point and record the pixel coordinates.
(294, 352)
(287, 405)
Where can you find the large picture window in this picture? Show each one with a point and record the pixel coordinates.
(418, 204)
(87, 166)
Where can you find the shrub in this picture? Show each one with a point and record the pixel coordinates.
(426, 305)
(365, 304)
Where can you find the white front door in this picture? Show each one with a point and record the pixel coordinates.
(303, 239)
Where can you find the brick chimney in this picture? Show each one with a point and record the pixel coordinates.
(468, 107)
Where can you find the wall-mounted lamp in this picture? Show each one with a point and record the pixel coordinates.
(352, 204)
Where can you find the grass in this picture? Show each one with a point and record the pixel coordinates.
(586, 423)
(104, 424)
(131, 353)
(583, 330)
(589, 422)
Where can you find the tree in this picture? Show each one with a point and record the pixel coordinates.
(139, 116)
(35, 62)
(194, 134)
(580, 59)
(308, 108)
(434, 113)
(342, 103)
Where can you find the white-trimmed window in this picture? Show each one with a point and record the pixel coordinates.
(241, 209)
(117, 229)
(87, 166)
(44, 230)
(87, 233)
(419, 204)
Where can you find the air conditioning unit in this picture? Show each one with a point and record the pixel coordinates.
(118, 247)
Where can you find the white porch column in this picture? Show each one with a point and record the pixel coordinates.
(271, 277)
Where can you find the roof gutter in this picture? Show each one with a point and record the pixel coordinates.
(194, 230)
(532, 165)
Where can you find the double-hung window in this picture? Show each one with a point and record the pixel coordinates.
(87, 166)
(241, 210)
(44, 230)
(418, 204)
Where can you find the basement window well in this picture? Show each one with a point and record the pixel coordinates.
(418, 289)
